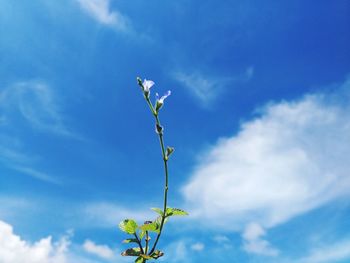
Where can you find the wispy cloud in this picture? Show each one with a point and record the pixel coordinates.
(203, 88)
(31, 103)
(36, 174)
(105, 214)
(206, 88)
(36, 103)
(198, 246)
(254, 242)
(291, 159)
(14, 157)
(100, 11)
(177, 251)
(221, 239)
(12, 206)
(102, 251)
(329, 253)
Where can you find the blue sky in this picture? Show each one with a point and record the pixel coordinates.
(258, 116)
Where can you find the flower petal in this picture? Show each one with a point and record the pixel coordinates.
(161, 100)
(147, 84)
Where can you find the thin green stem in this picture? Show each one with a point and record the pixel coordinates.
(149, 103)
(166, 188)
(147, 239)
(165, 160)
(139, 243)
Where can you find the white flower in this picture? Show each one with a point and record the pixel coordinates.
(147, 85)
(160, 101)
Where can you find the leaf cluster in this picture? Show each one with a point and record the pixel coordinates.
(141, 234)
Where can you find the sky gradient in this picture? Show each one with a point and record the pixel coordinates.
(258, 115)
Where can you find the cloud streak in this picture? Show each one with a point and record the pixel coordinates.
(36, 103)
(31, 103)
(205, 88)
(12, 156)
(330, 253)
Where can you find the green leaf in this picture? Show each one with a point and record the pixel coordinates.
(175, 212)
(159, 220)
(139, 260)
(132, 252)
(128, 226)
(130, 240)
(152, 227)
(157, 210)
(157, 254)
(142, 234)
(146, 256)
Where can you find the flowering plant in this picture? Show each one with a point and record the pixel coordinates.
(141, 234)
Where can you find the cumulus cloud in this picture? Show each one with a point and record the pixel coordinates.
(100, 11)
(254, 242)
(15, 250)
(293, 158)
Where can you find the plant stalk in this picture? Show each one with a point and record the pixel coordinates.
(139, 243)
(166, 187)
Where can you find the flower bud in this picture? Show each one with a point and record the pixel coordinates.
(159, 129)
(169, 151)
(139, 81)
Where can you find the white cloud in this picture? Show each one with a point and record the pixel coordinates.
(291, 159)
(15, 250)
(36, 104)
(106, 214)
(100, 11)
(197, 246)
(206, 89)
(13, 157)
(249, 73)
(102, 251)
(329, 253)
(36, 174)
(221, 239)
(254, 243)
(12, 206)
(176, 252)
(203, 88)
